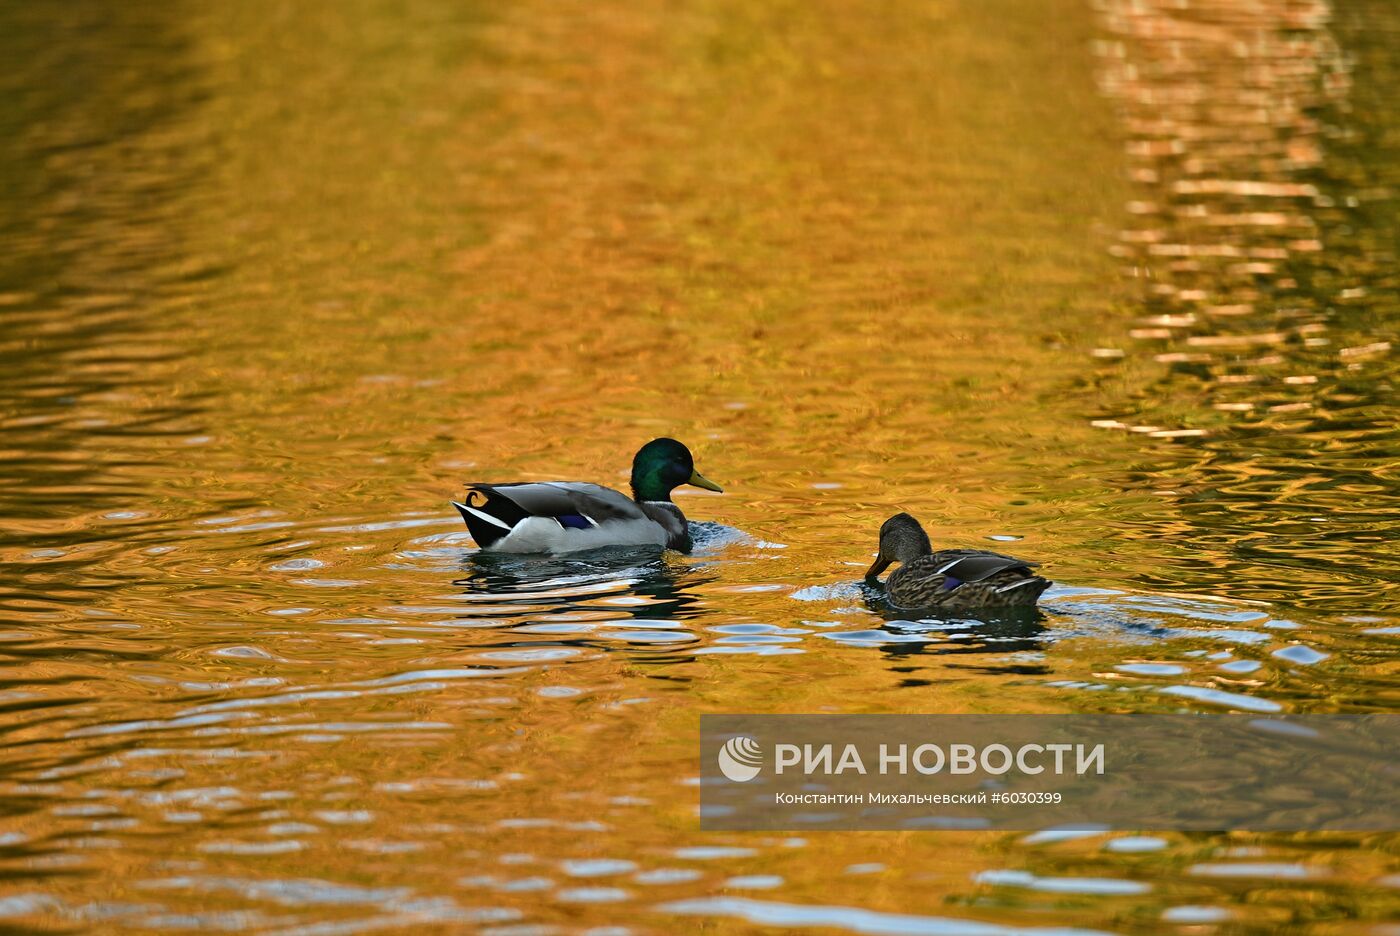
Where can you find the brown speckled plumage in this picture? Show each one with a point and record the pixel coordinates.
(951, 579)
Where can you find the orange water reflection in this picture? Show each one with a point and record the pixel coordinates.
(282, 276)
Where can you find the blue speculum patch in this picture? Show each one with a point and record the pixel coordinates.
(950, 583)
(574, 522)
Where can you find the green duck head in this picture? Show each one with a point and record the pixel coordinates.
(663, 465)
(902, 539)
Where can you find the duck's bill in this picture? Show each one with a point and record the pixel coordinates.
(876, 567)
(700, 481)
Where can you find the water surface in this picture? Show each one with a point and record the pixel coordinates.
(1108, 285)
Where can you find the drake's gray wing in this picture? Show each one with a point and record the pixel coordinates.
(566, 499)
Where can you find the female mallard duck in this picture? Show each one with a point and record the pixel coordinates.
(565, 516)
(950, 579)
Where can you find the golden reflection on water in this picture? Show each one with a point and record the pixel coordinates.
(1263, 233)
(276, 278)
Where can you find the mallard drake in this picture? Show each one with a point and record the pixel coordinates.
(950, 579)
(566, 516)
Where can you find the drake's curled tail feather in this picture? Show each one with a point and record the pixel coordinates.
(490, 516)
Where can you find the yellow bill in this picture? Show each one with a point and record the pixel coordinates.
(700, 481)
